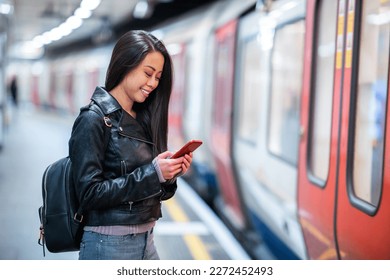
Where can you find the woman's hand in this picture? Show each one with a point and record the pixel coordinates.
(187, 160)
(170, 168)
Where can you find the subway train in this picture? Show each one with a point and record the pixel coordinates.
(290, 100)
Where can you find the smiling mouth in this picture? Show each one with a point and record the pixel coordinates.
(145, 92)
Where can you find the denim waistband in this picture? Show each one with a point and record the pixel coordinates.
(122, 229)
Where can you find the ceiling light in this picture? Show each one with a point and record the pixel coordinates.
(83, 13)
(64, 29)
(6, 9)
(26, 50)
(74, 22)
(90, 4)
(142, 10)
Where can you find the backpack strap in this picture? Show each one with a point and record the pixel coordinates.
(106, 119)
(78, 216)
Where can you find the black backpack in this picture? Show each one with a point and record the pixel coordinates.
(61, 215)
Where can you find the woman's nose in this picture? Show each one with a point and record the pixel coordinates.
(152, 82)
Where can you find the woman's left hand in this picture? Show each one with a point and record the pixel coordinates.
(187, 160)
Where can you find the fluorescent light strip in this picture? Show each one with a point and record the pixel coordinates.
(71, 23)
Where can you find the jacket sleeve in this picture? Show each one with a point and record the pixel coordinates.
(87, 153)
(169, 186)
(169, 189)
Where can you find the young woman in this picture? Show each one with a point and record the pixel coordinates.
(121, 182)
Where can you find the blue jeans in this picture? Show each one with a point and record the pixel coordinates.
(96, 246)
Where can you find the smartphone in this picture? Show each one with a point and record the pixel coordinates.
(191, 146)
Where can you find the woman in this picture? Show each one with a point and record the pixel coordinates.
(121, 184)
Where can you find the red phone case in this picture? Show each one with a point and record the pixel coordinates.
(187, 148)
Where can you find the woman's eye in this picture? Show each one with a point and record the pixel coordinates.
(147, 74)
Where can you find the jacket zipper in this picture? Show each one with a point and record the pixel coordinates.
(150, 196)
(135, 138)
(123, 167)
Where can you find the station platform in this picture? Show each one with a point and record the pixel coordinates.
(189, 229)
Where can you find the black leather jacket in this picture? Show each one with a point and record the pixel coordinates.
(117, 184)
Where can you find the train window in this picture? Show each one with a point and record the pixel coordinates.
(224, 74)
(253, 73)
(286, 88)
(176, 104)
(371, 98)
(322, 91)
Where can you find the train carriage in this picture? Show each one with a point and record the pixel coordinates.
(268, 85)
(343, 184)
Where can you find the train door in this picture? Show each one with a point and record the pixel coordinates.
(319, 130)
(51, 102)
(35, 90)
(268, 86)
(92, 81)
(69, 91)
(343, 202)
(363, 196)
(222, 123)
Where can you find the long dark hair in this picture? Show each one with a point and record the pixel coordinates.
(128, 53)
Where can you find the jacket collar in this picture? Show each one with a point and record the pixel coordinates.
(105, 100)
(127, 125)
(130, 127)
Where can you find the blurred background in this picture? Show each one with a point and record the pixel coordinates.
(290, 99)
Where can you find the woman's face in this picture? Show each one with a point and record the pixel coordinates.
(142, 80)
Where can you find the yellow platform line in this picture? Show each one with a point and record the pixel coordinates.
(193, 242)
